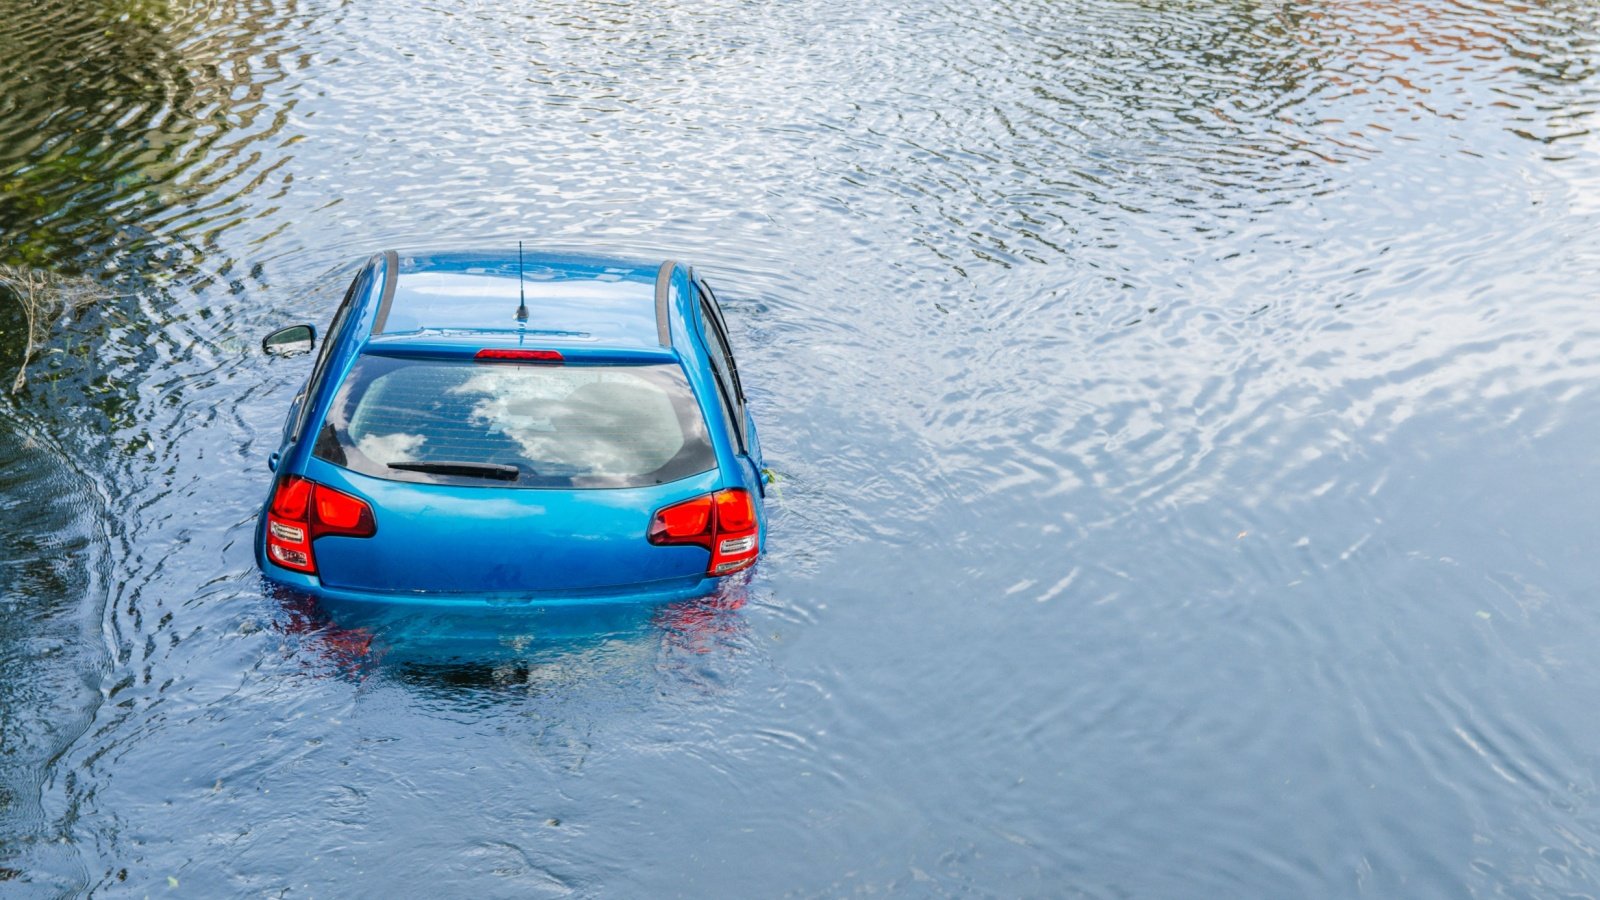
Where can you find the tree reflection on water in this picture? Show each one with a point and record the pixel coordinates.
(118, 114)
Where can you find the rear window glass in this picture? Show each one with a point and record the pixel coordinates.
(511, 425)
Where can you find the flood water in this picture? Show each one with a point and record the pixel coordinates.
(1186, 413)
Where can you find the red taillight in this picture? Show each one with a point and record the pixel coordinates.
(302, 511)
(724, 523)
(682, 523)
(292, 498)
(342, 514)
(493, 354)
(735, 511)
(289, 525)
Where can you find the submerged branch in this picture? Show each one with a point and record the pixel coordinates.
(45, 297)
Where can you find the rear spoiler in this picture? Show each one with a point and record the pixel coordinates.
(570, 355)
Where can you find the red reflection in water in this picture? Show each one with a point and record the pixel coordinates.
(699, 626)
(347, 650)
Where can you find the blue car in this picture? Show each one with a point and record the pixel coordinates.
(480, 427)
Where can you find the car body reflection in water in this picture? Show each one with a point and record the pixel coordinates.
(488, 647)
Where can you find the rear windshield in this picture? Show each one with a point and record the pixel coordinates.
(513, 425)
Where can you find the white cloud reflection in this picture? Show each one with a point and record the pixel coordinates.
(391, 448)
(573, 422)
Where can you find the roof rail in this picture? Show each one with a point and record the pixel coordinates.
(663, 287)
(391, 274)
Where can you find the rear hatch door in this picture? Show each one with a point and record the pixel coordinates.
(511, 476)
(489, 540)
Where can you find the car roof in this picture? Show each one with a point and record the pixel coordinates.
(473, 296)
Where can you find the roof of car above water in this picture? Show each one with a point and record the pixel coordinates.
(473, 296)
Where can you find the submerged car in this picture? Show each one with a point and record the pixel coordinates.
(482, 427)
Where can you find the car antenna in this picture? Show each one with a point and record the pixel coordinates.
(522, 297)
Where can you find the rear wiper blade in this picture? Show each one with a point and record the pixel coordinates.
(464, 469)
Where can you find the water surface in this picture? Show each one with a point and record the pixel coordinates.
(1185, 411)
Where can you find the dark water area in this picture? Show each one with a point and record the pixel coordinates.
(1186, 415)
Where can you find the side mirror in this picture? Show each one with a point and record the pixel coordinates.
(291, 341)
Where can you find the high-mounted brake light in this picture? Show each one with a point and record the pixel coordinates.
(724, 523)
(302, 511)
(502, 354)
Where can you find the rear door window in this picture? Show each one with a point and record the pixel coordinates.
(510, 425)
(722, 364)
(358, 288)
